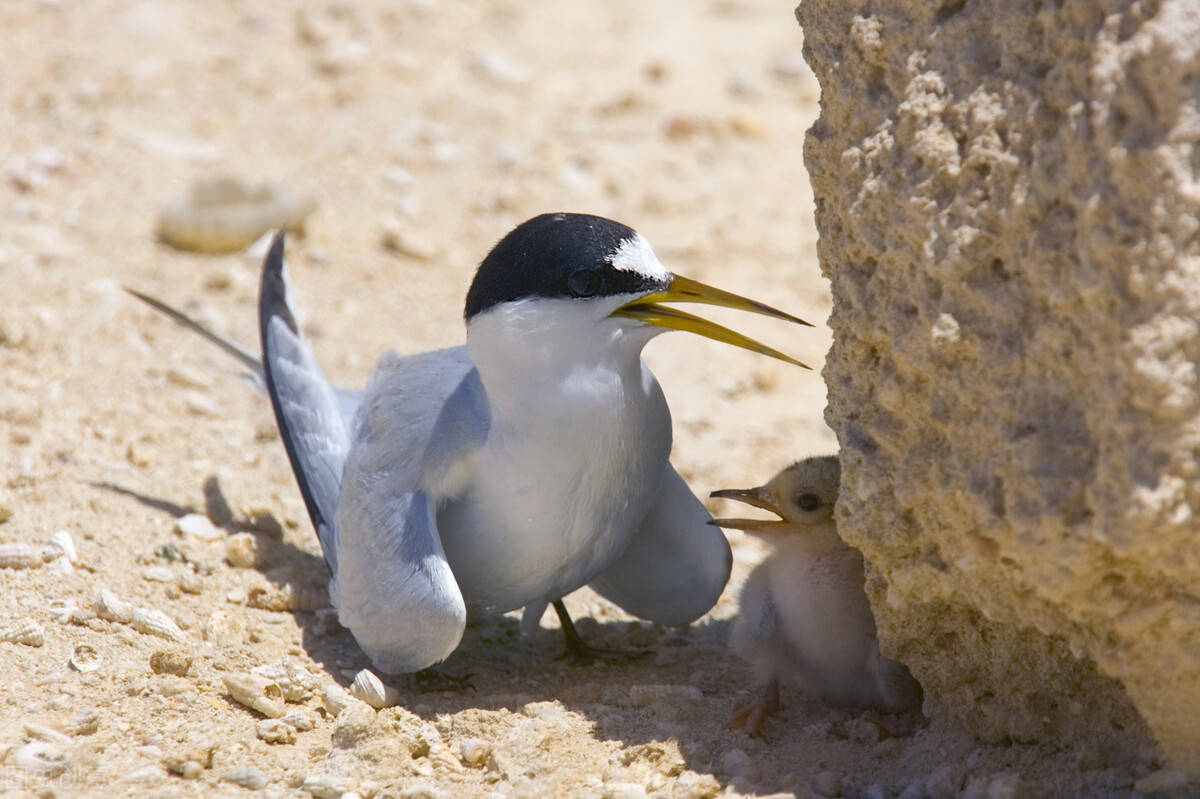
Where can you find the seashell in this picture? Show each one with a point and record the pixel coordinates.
(25, 631)
(40, 758)
(155, 622)
(111, 607)
(85, 659)
(370, 689)
(86, 722)
(18, 555)
(288, 597)
(65, 544)
(40, 732)
(295, 682)
(242, 550)
(256, 692)
(300, 720)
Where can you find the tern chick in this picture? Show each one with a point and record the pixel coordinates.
(804, 615)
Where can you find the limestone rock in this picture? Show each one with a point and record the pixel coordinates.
(1008, 199)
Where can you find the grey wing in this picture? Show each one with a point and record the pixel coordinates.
(421, 417)
(676, 564)
(308, 410)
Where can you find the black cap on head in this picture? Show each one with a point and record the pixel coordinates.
(557, 255)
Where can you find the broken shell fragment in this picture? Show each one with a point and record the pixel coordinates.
(85, 658)
(257, 693)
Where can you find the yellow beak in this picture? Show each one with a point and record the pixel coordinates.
(682, 289)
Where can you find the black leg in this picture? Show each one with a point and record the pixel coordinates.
(434, 679)
(578, 650)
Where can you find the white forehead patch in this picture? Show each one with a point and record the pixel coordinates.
(635, 255)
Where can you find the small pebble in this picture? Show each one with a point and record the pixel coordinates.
(298, 719)
(171, 661)
(242, 550)
(405, 242)
(736, 763)
(474, 751)
(250, 778)
(189, 582)
(197, 525)
(158, 574)
(324, 786)
(1006, 785)
(275, 731)
(665, 696)
(498, 68)
(874, 791)
(1164, 780)
(826, 783)
(623, 790)
(190, 770)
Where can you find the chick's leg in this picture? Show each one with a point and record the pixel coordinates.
(754, 718)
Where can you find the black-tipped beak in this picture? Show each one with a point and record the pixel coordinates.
(683, 289)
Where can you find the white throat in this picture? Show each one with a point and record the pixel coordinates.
(524, 347)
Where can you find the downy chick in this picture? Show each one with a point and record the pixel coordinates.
(804, 615)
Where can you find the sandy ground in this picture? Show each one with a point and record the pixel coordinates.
(445, 123)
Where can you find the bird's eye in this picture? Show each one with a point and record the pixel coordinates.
(807, 501)
(583, 282)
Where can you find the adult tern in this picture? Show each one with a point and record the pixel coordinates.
(511, 471)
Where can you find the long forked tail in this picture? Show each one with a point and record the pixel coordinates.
(307, 408)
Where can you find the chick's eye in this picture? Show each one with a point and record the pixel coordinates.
(583, 282)
(807, 501)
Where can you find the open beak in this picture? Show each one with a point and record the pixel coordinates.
(682, 289)
(751, 496)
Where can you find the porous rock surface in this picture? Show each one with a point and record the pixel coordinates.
(1008, 199)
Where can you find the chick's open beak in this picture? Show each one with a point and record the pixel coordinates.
(683, 289)
(751, 496)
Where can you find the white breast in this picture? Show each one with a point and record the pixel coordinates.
(579, 439)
